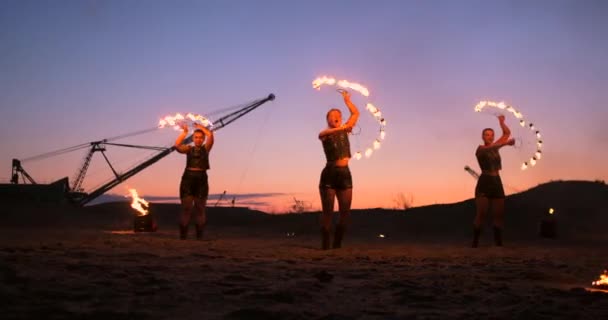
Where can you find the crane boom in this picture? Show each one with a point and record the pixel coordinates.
(81, 198)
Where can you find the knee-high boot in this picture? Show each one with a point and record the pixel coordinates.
(324, 239)
(338, 235)
(476, 235)
(183, 232)
(498, 236)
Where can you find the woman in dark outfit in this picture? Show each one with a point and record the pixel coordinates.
(489, 192)
(194, 187)
(336, 180)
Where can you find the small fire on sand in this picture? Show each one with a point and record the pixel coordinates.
(143, 221)
(601, 283)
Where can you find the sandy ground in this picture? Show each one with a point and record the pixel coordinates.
(80, 273)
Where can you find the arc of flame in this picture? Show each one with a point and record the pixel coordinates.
(503, 106)
(376, 144)
(373, 110)
(137, 203)
(175, 120)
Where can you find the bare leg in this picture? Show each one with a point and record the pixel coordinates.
(498, 211)
(327, 202)
(185, 216)
(481, 204)
(201, 216)
(345, 198)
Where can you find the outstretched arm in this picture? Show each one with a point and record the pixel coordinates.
(499, 144)
(350, 123)
(182, 148)
(209, 139)
(506, 132)
(354, 112)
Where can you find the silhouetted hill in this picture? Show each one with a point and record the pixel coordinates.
(580, 210)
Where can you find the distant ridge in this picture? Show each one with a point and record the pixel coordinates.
(581, 209)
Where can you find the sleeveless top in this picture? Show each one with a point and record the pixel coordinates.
(336, 146)
(488, 159)
(197, 157)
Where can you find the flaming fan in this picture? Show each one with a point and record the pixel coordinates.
(372, 109)
(177, 120)
(502, 108)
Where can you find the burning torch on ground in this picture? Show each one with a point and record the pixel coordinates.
(143, 221)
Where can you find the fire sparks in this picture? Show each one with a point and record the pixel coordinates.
(178, 119)
(510, 109)
(372, 109)
(138, 203)
(318, 82)
(603, 280)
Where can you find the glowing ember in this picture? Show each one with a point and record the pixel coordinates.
(381, 236)
(551, 211)
(138, 202)
(373, 110)
(603, 281)
(377, 144)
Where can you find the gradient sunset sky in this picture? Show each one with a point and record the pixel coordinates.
(78, 71)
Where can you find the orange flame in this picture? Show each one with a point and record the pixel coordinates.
(318, 82)
(354, 86)
(137, 203)
(178, 119)
(603, 279)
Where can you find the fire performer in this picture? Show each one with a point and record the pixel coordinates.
(489, 192)
(194, 187)
(336, 179)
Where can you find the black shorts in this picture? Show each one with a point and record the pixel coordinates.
(489, 187)
(333, 177)
(194, 184)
